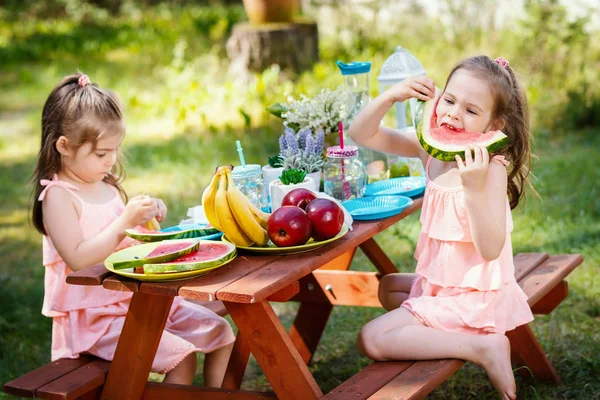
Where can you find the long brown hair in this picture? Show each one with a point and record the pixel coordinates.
(510, 105)
(82, 114)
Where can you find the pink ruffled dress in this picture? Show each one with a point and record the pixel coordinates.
(456, 289)
(89, 319)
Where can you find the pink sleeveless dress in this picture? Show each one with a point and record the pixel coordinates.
(89, 319)
(456, 289)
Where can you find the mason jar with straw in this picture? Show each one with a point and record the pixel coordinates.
(345, 175)
(248, 178)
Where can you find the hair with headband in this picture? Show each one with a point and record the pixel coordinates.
(83, 113)
(510, 105)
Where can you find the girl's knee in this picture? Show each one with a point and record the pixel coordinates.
(366, 343)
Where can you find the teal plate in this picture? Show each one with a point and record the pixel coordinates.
(185, 231)
(377, 207)
(406, 186)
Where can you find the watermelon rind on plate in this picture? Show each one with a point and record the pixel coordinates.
(159, 252)
(444, 143)
(209, 254)
(186, 231)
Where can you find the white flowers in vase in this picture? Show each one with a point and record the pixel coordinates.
(321, 112)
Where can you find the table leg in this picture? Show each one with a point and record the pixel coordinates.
(274, 351)
(238, 361)
(377, 256)
(142, 330)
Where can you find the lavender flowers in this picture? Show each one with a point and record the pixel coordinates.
(302, 151)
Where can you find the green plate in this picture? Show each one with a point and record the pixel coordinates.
(144, 249)
(270, 248)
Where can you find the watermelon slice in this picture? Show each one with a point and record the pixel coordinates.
(445, 143)
(163, 252)
(209, 254)
(176, 232)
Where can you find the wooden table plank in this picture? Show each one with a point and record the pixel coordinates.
(121, 283)
(205, 287)
(93, 275)
(77, 383)
(527, 262)
(342, 288)
(265, 281)
(418, 380)
(544, 278)
(26, 385)
(369, 380)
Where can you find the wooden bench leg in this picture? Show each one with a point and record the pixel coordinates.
(528, 350)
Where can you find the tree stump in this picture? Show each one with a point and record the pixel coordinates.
(292, 46)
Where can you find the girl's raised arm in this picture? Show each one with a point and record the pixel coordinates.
(366, 130)
(62, 225)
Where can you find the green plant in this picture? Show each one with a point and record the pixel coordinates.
(275, 161)
(292, 176)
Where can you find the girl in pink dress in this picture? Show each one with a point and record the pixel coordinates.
(463, 297)
(79, 209)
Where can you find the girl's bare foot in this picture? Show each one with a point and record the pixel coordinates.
(494, 357)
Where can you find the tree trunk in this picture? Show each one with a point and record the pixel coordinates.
(293, 46)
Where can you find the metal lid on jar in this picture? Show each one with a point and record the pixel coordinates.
(248, 171)
(338, 152)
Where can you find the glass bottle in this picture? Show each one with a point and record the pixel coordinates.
(250, 182)
(356, 78)
(344, 173)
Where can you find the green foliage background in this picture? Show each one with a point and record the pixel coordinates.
(184, 112)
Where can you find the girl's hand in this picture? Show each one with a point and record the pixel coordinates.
(473, 172)
(139, 210)
(162, 210)
(419, 87)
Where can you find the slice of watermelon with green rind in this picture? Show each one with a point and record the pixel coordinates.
(165, 251)
(443, 143)
(209, 254)
(194, 231)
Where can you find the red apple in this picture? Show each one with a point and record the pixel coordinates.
(298, 197)
(327, 218)
(289, 226)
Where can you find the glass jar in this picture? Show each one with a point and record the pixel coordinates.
(345, 175)
(250, 182)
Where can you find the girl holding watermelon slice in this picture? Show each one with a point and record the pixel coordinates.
(464, 296)
(78, 207)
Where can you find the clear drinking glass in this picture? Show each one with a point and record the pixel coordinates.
(250, 182)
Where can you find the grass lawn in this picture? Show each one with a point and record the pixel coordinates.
(171, 156)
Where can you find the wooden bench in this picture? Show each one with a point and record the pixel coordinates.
(542, 278)
(80, 378)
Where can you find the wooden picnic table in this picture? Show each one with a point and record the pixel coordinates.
(318, 279)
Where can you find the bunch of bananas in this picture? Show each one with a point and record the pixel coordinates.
(231, 212)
